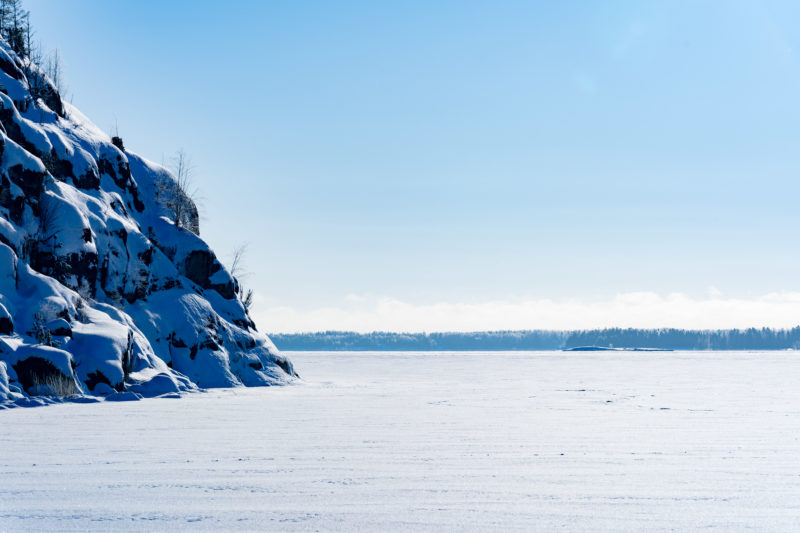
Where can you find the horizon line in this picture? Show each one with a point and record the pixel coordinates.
(535, 330)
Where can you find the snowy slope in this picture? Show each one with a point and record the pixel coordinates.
(100, 292)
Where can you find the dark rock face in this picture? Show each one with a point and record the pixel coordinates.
(14, 131)
(105, 167)
(30, 181)
(60, 328)
(59, 168)
(11, 69)
(285, 365)
(98, 377)
(88, 180)
(52, 99)
(83, 266)
(14, 204)
(224, 289)
(6, 322)
(35, 371)
(199, 266)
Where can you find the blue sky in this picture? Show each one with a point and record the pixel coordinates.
(442, 165)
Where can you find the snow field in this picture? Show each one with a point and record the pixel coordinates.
(509, 441)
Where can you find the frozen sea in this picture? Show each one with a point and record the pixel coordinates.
(461, 441)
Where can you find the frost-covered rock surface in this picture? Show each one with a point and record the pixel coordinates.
(100, 292)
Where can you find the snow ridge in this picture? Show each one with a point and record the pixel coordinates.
(101, 294)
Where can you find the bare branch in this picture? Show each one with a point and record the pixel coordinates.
(237, 262)
(178, 195)
(237, 270)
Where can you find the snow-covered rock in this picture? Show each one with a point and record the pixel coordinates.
(4, 390)
(100, 292)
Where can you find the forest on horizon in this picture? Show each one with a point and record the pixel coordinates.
(664, 339)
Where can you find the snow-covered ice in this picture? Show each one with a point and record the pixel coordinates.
(428, 441)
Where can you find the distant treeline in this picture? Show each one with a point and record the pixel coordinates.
(670, 339)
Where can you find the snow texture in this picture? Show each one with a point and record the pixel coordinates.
(499, 441)
(100, 290)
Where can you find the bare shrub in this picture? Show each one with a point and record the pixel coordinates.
(80, 310)
(41, 332)
(54, 70)
(179, 195)
(53, 385)
(238, 272)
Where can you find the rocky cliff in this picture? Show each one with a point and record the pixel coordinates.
(104, 291)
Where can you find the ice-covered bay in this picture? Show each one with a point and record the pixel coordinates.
(428, 441)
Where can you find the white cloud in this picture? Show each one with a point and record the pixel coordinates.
(634, 309)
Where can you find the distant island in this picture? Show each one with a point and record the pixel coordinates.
(612, 349)
(577, 340)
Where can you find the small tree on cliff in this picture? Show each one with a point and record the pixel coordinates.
(52, 67)
(238, 272)
(178, 195)
(14, 25)
(15, 28)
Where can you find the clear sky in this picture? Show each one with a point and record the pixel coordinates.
(469, 165)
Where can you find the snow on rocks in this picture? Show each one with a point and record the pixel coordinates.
(5, 392)
(101, 294)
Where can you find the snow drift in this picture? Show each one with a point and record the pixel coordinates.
(101, 292)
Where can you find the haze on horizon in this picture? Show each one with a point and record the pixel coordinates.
(469, 165)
